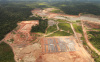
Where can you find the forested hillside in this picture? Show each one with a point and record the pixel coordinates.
(10, 14)
(75, 8)
(41, 27)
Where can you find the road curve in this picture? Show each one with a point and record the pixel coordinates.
(87, 41)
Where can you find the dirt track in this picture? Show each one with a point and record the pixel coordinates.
(80, 44)
(75, 34)
(87, 41)
(30, 52)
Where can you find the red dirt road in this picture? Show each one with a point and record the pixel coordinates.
(87, 41)
(80, 44)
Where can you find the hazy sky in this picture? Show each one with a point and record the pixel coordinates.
(49, 0)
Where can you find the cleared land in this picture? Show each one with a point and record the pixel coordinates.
(47, 49)
(62, 49)
(25, 45)
(54, 45)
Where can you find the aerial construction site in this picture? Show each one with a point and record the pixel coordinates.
(61, 42)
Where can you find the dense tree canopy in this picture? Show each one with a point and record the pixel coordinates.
(42, 25)
(75, 8)
(10, 14)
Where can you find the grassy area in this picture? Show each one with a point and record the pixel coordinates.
(55, 11)
(96, 29)
(78, 28)
(59, 20)
(94, 38)
(95, 56)
(66, 27)
(6, 53)
(43, 3)
(63, 5)
(60, 33)
(51, 29)
(92, 53)
(77, 21)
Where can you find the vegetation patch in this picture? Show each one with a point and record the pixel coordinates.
(63, 5)
(66, 27)
(59, 20)
(95, 29)
(11, 40)
(51, 29)
(13, 32)
(41, 27)
(94, 38)
(78, 28)
(60, 33)
(55, 11)
(6, 53)
(78, 21)
(75, 8)
(92, 53)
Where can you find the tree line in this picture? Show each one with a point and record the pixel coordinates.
(43, 23)
(10, 14)
(74, 8)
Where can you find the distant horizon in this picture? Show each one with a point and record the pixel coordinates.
(54, 0)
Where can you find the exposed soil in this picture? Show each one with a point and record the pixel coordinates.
(87, 41)
(27, 51)
(92, 24)
(25, 46)
(29, 48)
(79, 55)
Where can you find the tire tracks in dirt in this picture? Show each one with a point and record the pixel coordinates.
(87, 41)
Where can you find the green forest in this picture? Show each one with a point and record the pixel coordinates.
(74, 8)
(6, 53)
(10, 14)
(41, 27)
